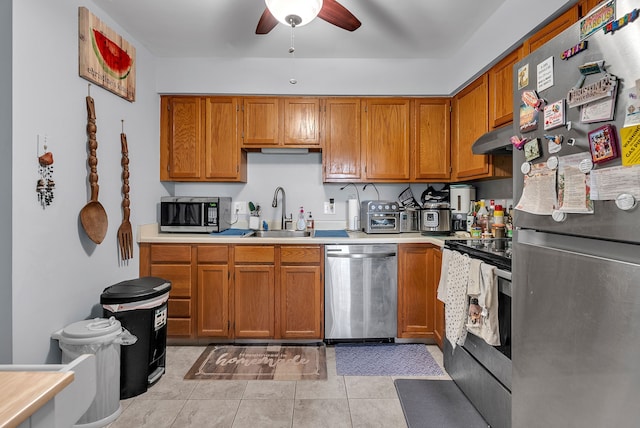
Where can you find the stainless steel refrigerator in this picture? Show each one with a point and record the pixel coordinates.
(576, 278)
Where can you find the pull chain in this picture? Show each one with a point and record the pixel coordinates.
(292, 51)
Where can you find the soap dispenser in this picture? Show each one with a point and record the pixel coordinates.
(301, 224)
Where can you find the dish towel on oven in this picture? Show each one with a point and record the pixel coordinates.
(485, 325)
(456, 303)
(444, 269)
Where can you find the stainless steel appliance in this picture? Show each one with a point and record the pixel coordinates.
(482, 371)
(435, 218)
(361, 291)
(195, 214)
(460, 196)
(577, 294)
(410, 220)
(380, 216)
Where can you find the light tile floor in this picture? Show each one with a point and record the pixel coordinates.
(339, 401)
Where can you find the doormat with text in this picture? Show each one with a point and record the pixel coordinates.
(261, 362)
(391, 359)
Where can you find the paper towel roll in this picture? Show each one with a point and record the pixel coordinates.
(353, 214)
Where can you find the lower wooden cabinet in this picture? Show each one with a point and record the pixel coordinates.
(418, 272)
(173, 263)
(301, 292)
(240, 291)
(440, 327)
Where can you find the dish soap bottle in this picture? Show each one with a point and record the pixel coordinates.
(301, 224)
(310, 222)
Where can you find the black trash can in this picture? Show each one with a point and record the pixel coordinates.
(141, 307)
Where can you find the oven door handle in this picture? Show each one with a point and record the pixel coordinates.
(504, 274)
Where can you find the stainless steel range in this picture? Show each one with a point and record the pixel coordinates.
(482, 371)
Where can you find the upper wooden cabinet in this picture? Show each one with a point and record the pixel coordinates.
(431, 152)
(501, 90)
(301, 123)
(386, 138)
(551, 30)
(181, 139)
(277, 122)
(342, 145)
(469, 121)
(199, 139)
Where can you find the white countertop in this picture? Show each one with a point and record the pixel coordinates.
(150, 233)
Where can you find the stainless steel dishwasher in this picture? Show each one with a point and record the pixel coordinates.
(361, 291)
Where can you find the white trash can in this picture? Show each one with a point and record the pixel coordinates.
(101, 337)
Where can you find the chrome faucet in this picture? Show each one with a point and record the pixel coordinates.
(274, 204)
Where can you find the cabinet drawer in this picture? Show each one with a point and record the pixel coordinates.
(170, 253)
(179, 308)
(179, 327)
(213, 254)
(179, 275)
(255, 254)
(300, 254)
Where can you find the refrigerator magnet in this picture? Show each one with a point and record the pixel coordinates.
(552, 162)
(532, 150)
(525, 168)
(554, 115)
(602, 144)
(555, 143)
(625, 201)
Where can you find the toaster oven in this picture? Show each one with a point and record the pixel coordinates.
(380, 216)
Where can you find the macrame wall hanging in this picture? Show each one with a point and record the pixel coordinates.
(45, 185)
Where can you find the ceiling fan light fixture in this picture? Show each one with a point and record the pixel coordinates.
(294, 12)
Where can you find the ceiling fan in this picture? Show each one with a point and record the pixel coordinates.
(331, 11)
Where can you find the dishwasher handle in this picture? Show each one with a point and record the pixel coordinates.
(361, 255)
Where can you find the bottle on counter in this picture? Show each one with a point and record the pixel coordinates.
(310, 222)
(301, 224)
(498, 215)
(471, 215)
(483, 217)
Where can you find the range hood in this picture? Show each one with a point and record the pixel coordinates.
(496, 142)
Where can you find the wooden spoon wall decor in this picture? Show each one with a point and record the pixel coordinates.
(93, 215)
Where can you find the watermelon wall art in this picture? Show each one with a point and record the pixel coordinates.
(105, 58)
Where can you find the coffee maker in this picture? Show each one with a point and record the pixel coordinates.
(460, 197)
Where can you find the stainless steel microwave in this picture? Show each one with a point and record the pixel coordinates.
(195, 214)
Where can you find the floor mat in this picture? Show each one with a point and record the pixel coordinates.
(436, 404)
(389, 359)
(257, 362)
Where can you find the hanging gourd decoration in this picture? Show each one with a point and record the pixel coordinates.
(45, 185)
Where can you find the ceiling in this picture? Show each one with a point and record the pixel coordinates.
(226, 28)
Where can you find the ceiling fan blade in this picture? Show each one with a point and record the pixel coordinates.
(338, 15)
(267, 22)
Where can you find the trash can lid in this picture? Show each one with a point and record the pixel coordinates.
(95, 330)
(134, 290)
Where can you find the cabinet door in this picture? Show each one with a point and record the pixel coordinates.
(469, 116)
(300, 302)
(261, 119)
(222, 154)
(440, 326)
(254, 301)
(342, 146)
(181, 129)
(551, 30)
(301, 125)
(386, 134)
(416, 291)
(501, 90)
(432, 142)
(213, 300)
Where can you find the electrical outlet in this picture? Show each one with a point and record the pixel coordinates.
(329, 208)
(240, 207)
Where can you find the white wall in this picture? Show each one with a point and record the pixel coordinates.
(5, 182)
(58, 273)
(506, 28)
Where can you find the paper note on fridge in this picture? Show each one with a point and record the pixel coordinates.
(539, 191)
(608, 183)
(573, 185)
(630, 145)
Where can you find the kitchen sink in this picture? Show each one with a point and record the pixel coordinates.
(280, 234)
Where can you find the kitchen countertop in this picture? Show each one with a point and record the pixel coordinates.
(23, 393)
(149, 233)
